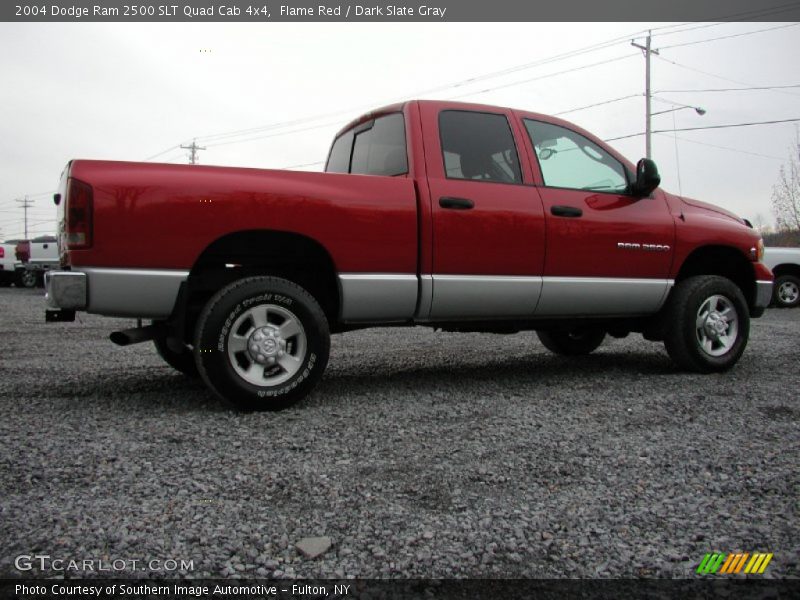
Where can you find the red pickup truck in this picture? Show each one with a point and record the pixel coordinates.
(456, 216)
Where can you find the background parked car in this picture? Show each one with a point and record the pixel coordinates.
(35, 257)
(785, 265)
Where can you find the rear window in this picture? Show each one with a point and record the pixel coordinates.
(374, 148)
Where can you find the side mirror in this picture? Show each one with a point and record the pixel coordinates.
(647, 178)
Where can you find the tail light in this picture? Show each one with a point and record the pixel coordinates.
(79, 215)
(2, 252)
(23, 251)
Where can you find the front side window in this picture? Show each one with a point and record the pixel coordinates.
(478, 146)
(569, 160)
(374, 148)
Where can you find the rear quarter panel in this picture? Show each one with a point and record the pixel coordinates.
(164, 216)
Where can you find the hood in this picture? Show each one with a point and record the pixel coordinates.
(711, 207)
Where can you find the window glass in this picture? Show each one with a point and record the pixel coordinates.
(478, 146)
(381, 149)
(569, 160)
(339, 159)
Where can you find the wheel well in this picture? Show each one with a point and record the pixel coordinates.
(786, 269)
(260, 252)
(723, 261)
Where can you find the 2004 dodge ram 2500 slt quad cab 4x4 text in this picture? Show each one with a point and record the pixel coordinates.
(455, 216)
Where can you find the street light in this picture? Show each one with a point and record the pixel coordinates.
(700, 111)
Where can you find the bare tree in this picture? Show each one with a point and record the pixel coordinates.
(786, 193)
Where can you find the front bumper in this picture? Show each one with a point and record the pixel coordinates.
(65, 290)
(763, 294)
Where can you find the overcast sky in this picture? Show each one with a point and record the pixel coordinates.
(131, 91)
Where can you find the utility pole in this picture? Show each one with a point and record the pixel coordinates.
(647, 51)
(25, 204)
(193, 148)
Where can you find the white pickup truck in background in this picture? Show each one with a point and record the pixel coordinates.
(8, 263)
(785, 265)
(34, 257)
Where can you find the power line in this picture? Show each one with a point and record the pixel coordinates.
(739, 89)
(727, 37)
(740, 151)
(622, 137)
(696, 70)
(564, 112)
(736, 17)
(540, 77)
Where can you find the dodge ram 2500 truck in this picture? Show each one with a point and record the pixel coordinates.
(456, 216)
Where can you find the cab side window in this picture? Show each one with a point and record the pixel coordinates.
(377, 147)
(569, 160)
(478, 146)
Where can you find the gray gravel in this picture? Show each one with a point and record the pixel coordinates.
(421, 454)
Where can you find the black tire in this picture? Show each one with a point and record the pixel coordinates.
(227, 334)
(786, 291)
(711, 297)
(27, 278)
(182, 361)
(572, 343)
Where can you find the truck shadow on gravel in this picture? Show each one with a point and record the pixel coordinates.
(159, 388)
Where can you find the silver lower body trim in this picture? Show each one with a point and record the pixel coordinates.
(477, 297)
(138, 293)
(378, 297)
(763, 293)
(601, 296)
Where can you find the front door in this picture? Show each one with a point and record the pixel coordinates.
(608, 252)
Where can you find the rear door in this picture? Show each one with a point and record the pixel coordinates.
(608, 252)
(488, 222)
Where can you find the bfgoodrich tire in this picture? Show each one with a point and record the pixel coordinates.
(572, 343)
(262, 343)
(707, 324)
(786, 291)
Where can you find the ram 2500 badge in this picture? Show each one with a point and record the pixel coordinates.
(457, 216)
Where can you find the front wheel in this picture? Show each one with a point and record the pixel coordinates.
(786, 292)
(262, 343)
(572, 343)
(707, 324)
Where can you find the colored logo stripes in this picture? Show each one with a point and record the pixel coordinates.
(729, 564)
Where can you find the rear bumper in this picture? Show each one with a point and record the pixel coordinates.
(65, 290)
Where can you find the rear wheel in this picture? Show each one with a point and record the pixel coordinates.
(262, 343)
(786, 292)
(27, 278)
(182, 360)
(572, 343)
(707, 324)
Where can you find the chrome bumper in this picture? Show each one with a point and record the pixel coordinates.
(763, 293)
(65, 289)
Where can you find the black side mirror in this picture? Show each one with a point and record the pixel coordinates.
(647, 178)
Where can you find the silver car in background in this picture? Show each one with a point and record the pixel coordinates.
(785, 265)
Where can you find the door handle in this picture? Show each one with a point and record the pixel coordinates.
(566, 211)
(456, 203)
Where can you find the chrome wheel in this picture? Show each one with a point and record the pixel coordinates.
(717, 325)
(788, 292)
(266, 345)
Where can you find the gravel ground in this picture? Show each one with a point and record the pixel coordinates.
(421, 454)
